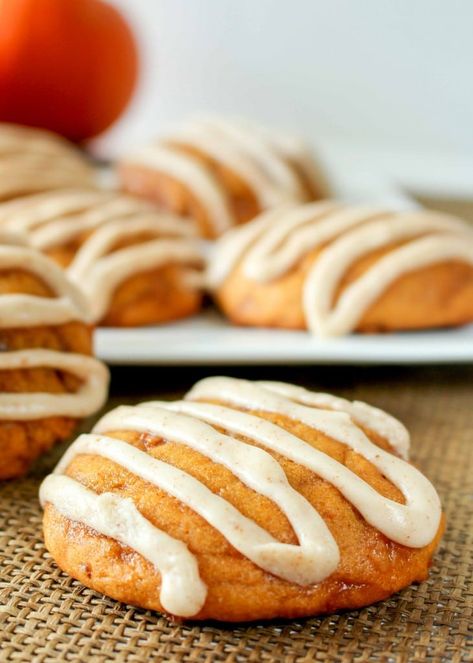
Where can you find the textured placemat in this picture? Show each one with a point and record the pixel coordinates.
(46, 616)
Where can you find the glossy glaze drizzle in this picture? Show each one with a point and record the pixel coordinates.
(89, 397)
(57, 217)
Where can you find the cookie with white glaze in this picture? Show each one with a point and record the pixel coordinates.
(334, 269)
(135, 264)
(244, 501)
(222, 173)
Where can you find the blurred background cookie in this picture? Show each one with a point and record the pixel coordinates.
(135, 264)
(35, 160)
(335, 269)
(223, 172)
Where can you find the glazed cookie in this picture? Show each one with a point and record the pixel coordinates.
(48, 380)
(35, 160)
(136, 265)
(245, 501)
(223, 173)
(334, 269)
(140, 271)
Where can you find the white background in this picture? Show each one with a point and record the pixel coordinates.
(390, 81)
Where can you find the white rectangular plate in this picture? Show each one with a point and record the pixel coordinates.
(209, 339)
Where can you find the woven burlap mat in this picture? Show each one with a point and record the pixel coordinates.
(46, 616)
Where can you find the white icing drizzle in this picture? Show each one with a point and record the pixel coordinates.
(90, 396)
(275, 241)
(258, 157)
(246, 154)
(192, 423)
(16, 139)
(23, 180)
(23, 310)
(31, 212)
(60, 231)
(394, 520)
(305, 563)
(297, 151)
(13, 238)
(271, 245)
(261, 151)
(236, 241)
(99, 272)
(182, 591)
(30, 163)
(326, 320)
(376, 420)
(192, 174)
(413, 524)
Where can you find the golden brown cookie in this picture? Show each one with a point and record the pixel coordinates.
(136, 264)
(48, 380)
(222, 173)
(334, 269)
(245, 501)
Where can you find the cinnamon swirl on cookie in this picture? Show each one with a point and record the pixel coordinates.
(335, 269)
(35, 160)
(244, 501)
(222, 173)
(48, 380)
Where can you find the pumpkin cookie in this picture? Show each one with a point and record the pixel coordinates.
(223, 173)
(245, 501)
(334, 269)
(136, 264)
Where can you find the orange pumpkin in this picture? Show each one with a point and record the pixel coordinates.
(65, 65)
